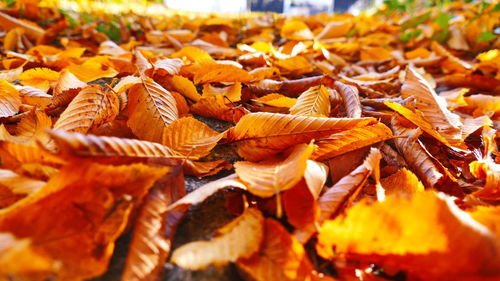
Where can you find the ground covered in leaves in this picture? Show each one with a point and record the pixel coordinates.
(250, 147)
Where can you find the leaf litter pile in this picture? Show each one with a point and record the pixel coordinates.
(330, 147)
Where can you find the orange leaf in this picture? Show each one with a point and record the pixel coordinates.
(30, 129)
(93, 203)
(151, 104)
(260, 135)
(190, 137)
(350, 140)
(296, 30)
(215, 106)
(216, 72)
(90, 108)
(420, 235)
(79, 145)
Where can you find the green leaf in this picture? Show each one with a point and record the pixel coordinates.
(442, 20)
(9, 3)
(496, 8)
(415, 21)
(410, 34)
(486, 36)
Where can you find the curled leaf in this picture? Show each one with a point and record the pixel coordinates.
(238, 239)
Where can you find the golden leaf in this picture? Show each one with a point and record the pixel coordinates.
(452, 63)
(349, 140)
(190, 137)
(259, 135)
(238, 239)
(90, 108)
(266, 179)
(184, 86)
(151, 104)
(41, 78)
(277, 100)
(403, 181)
(418, 119)
(294, 65)
(296, 30)
(231, 92)
(10, 101)
(420, 235)
(93, 68)
(313, 102)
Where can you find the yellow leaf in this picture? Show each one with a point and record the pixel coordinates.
(296, 30)
(238, 239)
(313, 102)
(375, 54)
(41, 78)
(335, 29)
(294, 65)
(277, 100)
(93, 68)
(403, 181)
(417, 119)
(419, 235)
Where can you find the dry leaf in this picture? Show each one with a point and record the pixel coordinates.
(313, 102)
(238, 239)
(260, 135)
